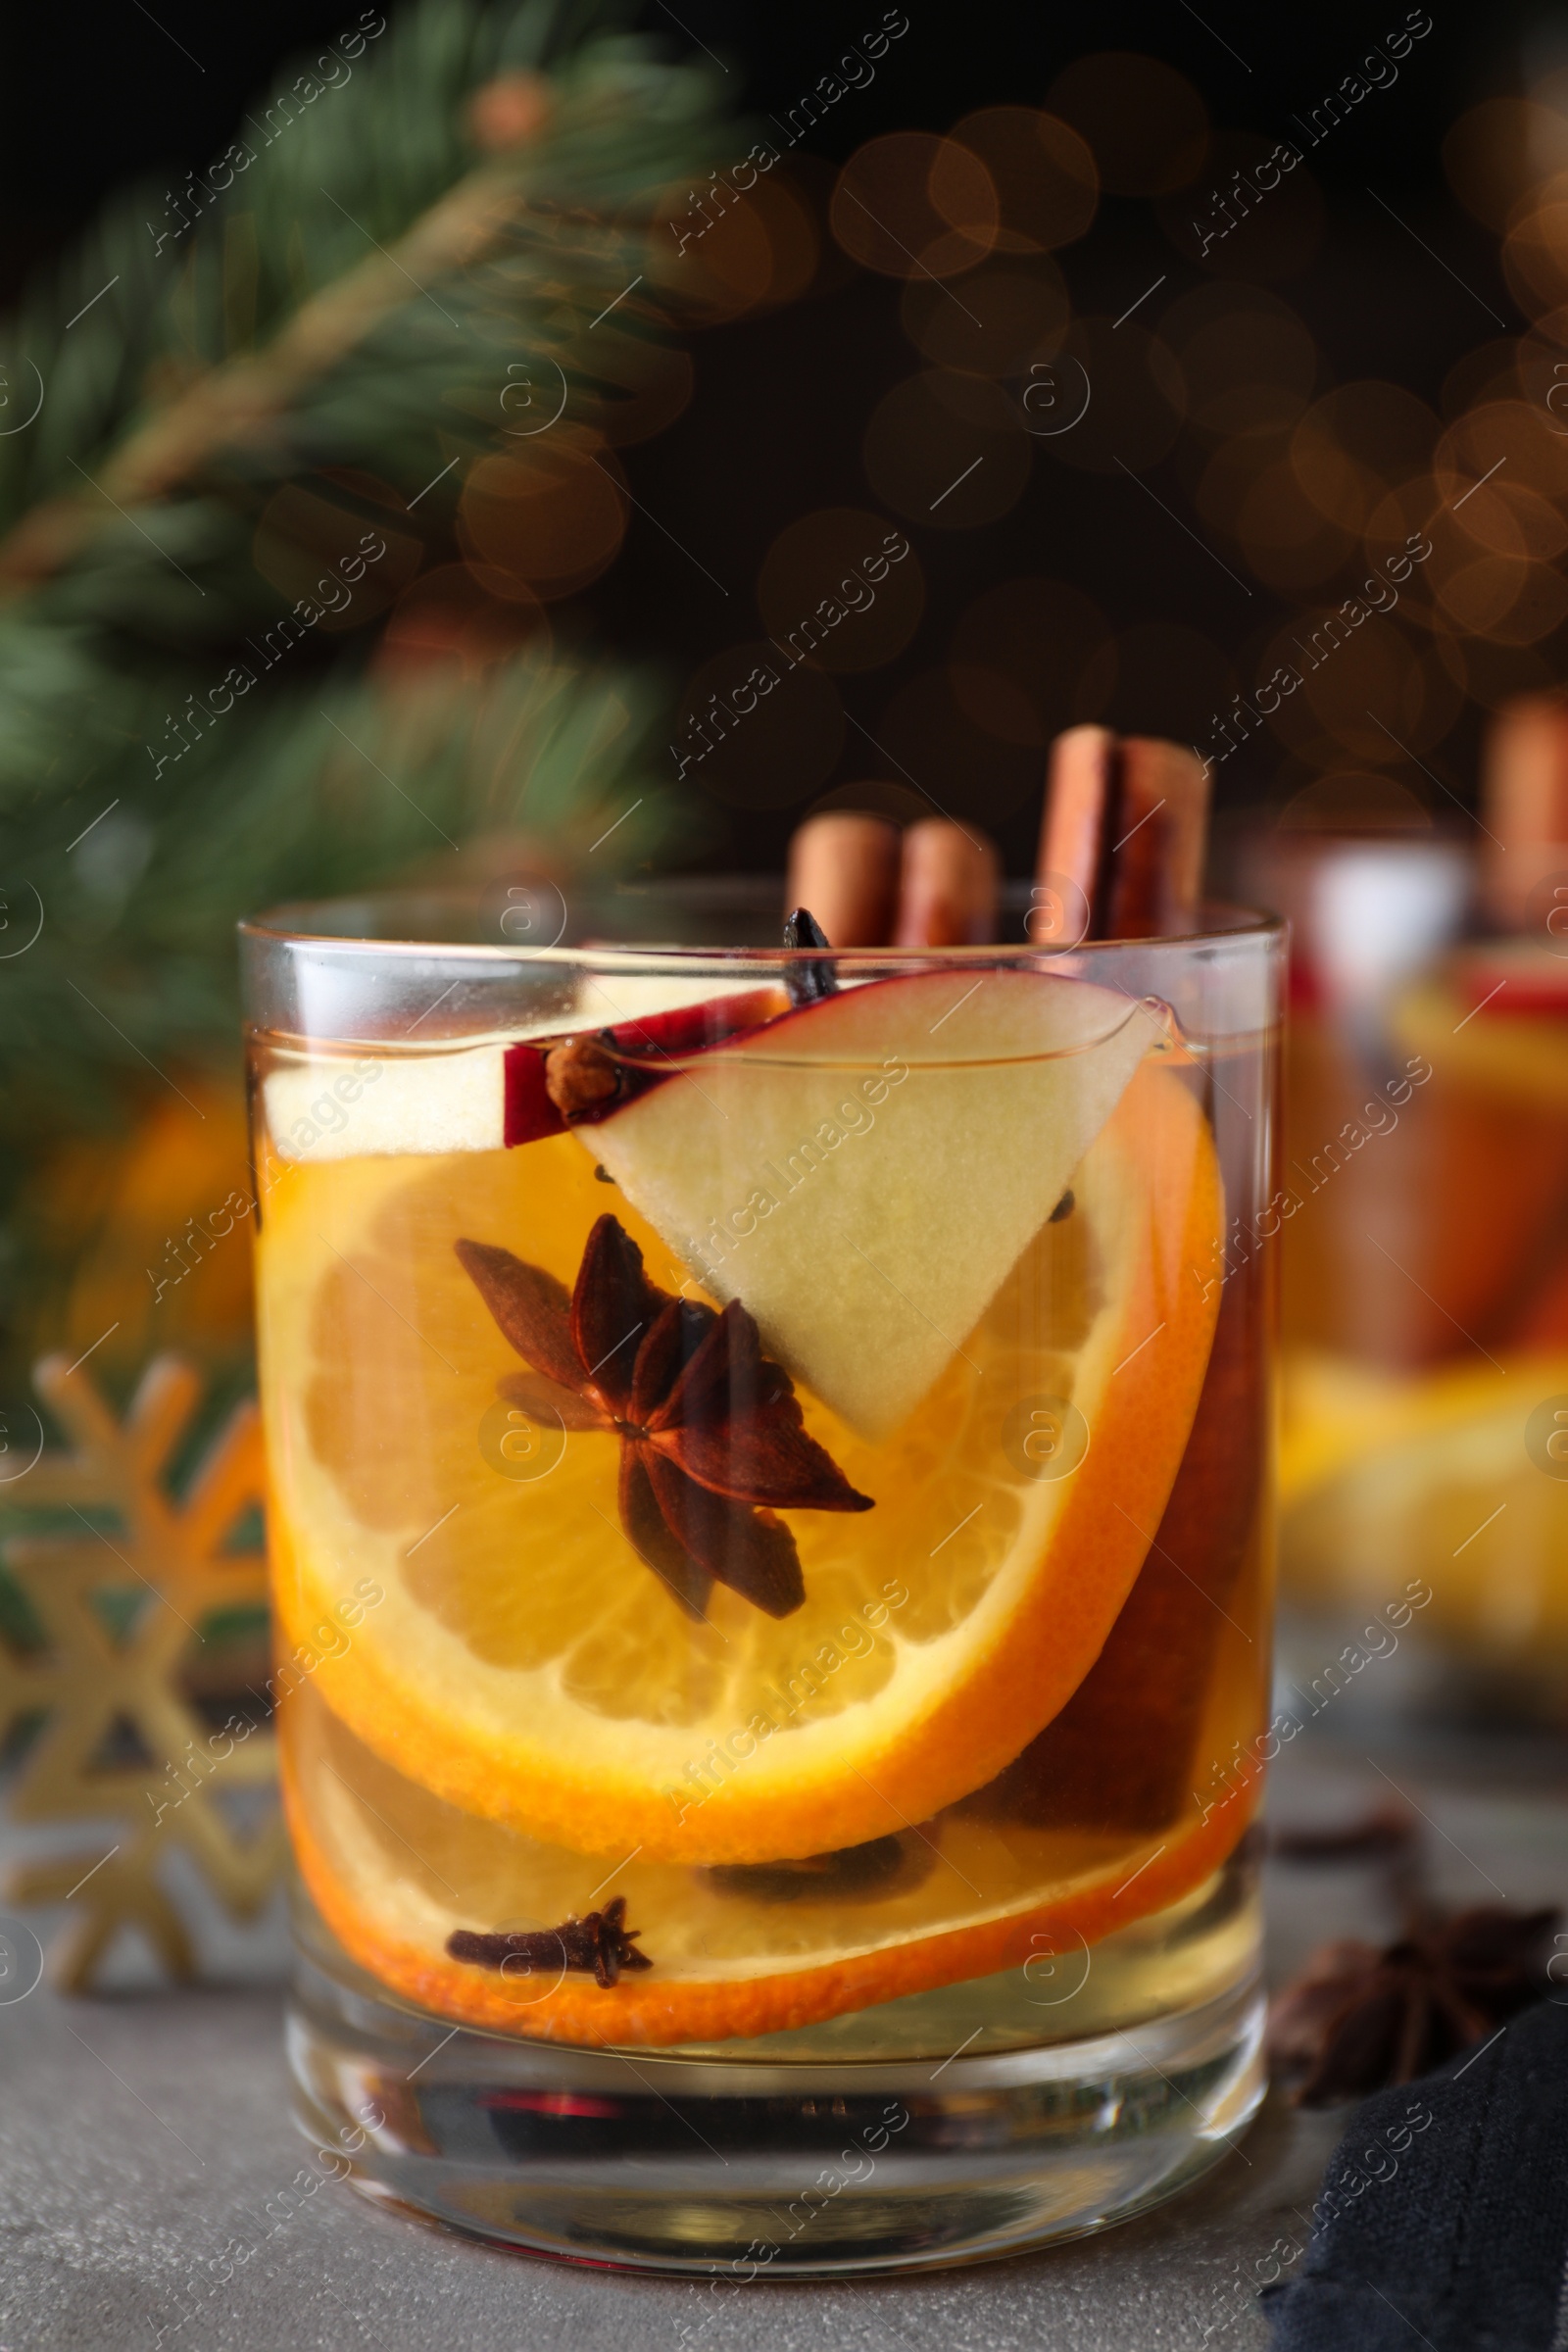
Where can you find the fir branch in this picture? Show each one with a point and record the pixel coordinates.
(196, 398)
(273, 365)
(611, 126)
(331, 788)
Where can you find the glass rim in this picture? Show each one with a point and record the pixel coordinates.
(305, 925)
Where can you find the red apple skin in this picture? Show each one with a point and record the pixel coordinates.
(529, 1114)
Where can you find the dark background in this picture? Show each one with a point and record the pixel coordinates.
(781, 406)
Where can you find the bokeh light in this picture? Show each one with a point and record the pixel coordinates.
(447, 616)
(946, 450)
(1535, 252)
(639, 386)
(1249, 364)
(909, 203)
(836, 566)
(1487, 372)
(1512, 433)
(1408, 519)
(790, 224)
(1365, 688)
(712, 256)
(1510, 518)
(1479, 592)
(1047, 185)
(1145, 123)
(1354, 442)
(1540, 371)
(1011, 314)
(1248, 215)
(1029, 658)
(1492, 673)
(935, 743)
(544, 521)
(1138, 402)
(1288, 541)
(1497, 152)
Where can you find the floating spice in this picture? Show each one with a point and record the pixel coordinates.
(600, 1946)
(712, 1443)
(805, 983)
(853, 1873)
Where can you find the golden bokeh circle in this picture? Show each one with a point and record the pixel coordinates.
(835, 589)
(447, 615)
(908, 203)
(1408, 544)
(1288, 541)
(1364, 688)
(1044, 173)
(1011, 312)
(1357, 440)
(1251, 365)
(709, 251)
(946, 450)
(1251, 215)
(548, 518)
(1479, 591)
(1541, 372)
(1137, 403)
(1487, 372)
(1509, 439)
(1511, 601)
(1029, 658)
(1144, 122)
(1511, 518)
(933, 742)
(1492, 673)
(1535, 251)
(1500, 151)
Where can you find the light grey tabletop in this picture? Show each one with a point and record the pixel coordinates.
(143, 2131)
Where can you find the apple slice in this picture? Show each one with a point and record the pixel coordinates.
(552, 1083)
(863, 1170)
(449, 1094)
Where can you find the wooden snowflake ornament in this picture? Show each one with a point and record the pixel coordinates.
(123, 1596)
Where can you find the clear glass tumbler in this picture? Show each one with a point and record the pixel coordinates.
(769, 1524)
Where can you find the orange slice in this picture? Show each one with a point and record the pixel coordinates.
(393, 1871)
(521, 1663)
(1435, 1490)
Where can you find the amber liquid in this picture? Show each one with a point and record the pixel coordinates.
(496, 1718)
(1425, 1296)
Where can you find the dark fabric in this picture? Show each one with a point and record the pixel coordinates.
(1451, 2231)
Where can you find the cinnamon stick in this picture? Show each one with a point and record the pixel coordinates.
(1126, 822)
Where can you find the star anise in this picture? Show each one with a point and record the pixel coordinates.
(601, 1945)
(712, 1443)
(1357, 2018)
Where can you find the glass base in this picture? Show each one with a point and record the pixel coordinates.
(736, 2168)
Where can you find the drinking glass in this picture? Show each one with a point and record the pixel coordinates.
(1424, 1263)
(769, 1535)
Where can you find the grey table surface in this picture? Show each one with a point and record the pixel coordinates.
(143, 2131)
